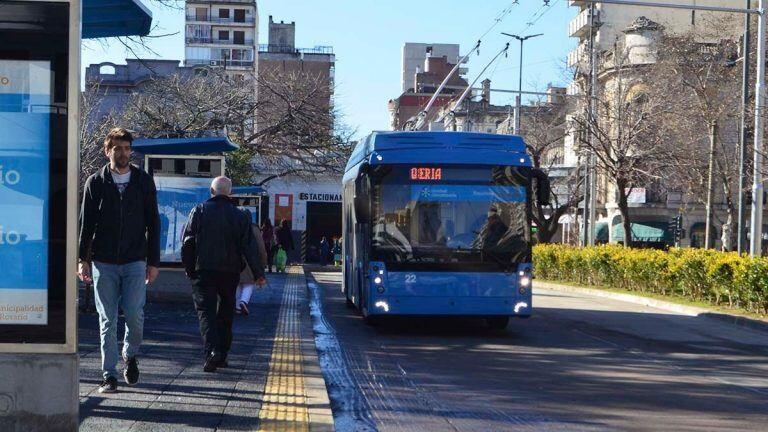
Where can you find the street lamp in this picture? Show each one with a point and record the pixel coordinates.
(520, 81)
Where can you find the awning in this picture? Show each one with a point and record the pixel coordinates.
(183, 146)
(601, 232)
(644, 232)
(248, 190)
(110, 18)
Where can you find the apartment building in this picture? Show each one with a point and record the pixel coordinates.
(222, 33)
(632, 31)
(421, 89)
(414, 54)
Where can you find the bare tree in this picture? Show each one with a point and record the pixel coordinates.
(93, 128)
(700, 77)
(628, 147)
(290, 131)
(544, 129)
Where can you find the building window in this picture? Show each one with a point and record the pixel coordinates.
(107, 70)
(223, 13)
(201, 14)
(223, 35)
(240, 15)
(239, 38)
(197, 31)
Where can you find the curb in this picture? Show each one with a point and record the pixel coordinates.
(318, 402)
(740, 321)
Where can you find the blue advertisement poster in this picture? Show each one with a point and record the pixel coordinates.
(176, 197)
(25, 106)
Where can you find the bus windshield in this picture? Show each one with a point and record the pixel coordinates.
(451, 218)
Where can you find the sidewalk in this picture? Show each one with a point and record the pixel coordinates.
(273, 383)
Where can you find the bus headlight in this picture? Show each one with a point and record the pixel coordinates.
(377, 280)
(525, 283)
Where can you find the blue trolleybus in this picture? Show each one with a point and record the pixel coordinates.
(439, 223)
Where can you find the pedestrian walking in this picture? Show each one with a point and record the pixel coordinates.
(325, 251)
(218, 240)
(247, 280)
(119, 251)
(268, 236)
(284, 238)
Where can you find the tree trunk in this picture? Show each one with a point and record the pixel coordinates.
(624, 210)
(548, 227)
(708, 237)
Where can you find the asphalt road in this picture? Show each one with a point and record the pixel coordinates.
(579, 364)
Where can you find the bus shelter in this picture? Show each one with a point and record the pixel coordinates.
(40, 44)
(183, 169)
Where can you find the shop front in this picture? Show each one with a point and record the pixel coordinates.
(313, 211)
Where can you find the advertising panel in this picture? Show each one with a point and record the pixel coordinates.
(176, 197)
(25, 117)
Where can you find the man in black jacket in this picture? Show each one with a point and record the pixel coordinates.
(222, 237)
(119, 234)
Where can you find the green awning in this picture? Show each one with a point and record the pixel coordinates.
(601, 232)
(643, 232)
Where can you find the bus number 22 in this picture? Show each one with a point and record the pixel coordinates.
(410, 278)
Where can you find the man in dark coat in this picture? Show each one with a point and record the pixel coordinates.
(221, 236)
(119, 251)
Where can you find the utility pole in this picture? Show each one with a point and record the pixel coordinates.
(756, 231)
(520, 79)
(591, 161)
(742, 234)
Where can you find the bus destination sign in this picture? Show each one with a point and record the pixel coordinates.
(426, 173)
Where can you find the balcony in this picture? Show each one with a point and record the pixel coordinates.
(579, 57)
(208, 40)
(579, 26)
(216, 20)
(251, 2)
(287, 49)
(219, 62)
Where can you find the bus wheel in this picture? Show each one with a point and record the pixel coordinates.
(498, 322)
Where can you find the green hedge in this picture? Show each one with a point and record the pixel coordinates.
(723, 279)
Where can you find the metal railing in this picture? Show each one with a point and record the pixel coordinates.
(219, 62)
(209, 40)
(217, 20)
(287, 49)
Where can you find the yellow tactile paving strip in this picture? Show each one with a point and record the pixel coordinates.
(285, 401)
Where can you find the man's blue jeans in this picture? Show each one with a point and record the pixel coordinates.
(123, 286)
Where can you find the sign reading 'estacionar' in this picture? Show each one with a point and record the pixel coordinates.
(25, 94)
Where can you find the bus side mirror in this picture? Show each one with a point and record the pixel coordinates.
(362, 198)
(543, 187)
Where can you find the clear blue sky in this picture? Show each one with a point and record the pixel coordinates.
(368, 35)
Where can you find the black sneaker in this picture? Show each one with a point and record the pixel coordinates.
(109, 385)
(212, 362)
(223, 361)
(131, 371)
